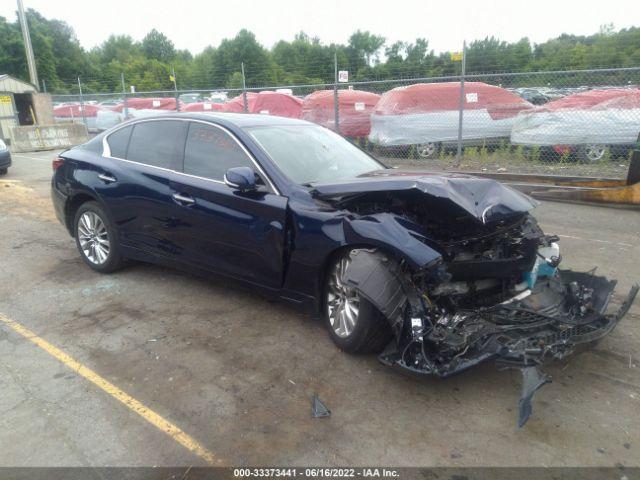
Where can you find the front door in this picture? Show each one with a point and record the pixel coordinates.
(221, 229)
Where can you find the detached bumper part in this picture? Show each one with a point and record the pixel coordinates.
(532, 380)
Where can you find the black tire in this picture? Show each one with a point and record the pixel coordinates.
(371, 333)
(3, 171)
(114, 260)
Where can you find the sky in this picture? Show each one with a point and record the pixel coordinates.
(195, 24)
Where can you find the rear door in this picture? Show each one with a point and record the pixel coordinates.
(240, 234)
(142, 161)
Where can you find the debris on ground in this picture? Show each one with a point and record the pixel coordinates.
(318, 408)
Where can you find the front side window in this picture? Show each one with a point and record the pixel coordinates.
(210, 152)
(156, 143)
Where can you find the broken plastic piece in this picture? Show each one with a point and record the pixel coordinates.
(532, 380)
(318, 409)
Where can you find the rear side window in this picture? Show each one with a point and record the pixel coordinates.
(210, 152)
(155, 143)
(118, 142)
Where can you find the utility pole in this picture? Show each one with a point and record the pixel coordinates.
(462, 99)
(336, 99)
(31, 62)
(245, 103)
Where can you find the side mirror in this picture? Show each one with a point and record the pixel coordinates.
(241, 178)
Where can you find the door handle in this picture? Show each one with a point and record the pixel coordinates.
(107, 178)
(183, 199)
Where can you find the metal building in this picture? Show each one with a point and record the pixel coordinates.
(16, 104)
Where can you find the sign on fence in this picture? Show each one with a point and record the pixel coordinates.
(343, 76)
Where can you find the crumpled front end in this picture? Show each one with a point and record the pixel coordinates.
(495, 294)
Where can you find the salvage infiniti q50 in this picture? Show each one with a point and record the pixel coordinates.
(436, 273)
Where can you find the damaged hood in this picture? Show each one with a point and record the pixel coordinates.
(484, 199)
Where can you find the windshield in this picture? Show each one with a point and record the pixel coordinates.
(312, 154)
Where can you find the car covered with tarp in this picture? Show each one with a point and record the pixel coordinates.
(427, 114)
(586, 123)
(202, 107)
(148, 103)
(354, 110)
(266, 103)
(74, 113)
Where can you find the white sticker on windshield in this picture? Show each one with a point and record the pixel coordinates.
(359, 106)
(472, 98)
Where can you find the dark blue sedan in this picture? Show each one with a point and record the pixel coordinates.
(437, 273)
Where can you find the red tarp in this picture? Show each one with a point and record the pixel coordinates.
(355, 108)
(158, 103)
(434, 97)
(73, 111)
(201, 107)
(268, 103)
(623, 98)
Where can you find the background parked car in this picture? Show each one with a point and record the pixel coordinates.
(202, 107)
(190, 98)
(5, 158)
(267, 103)
(74, 113)
(355, 108)
(587, 124)
(427, 115)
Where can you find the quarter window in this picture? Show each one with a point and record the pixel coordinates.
(118, 142)
(155, 143)
(210, 152)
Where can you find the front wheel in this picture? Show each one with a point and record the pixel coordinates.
(592, 153)
(427, 150)
(354, 324)
(3, 171)
(96, 238)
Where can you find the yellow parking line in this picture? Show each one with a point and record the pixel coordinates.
(145, 412)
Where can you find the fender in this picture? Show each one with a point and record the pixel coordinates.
(391, 233)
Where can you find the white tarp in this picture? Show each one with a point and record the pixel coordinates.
(442, 126)
(108, 118)
(91, 121)
(577, 127)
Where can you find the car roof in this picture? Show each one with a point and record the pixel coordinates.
(242, 120)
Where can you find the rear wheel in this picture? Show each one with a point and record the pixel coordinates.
(592, 153)
(354, 324)
(3, 171)
(96, 238)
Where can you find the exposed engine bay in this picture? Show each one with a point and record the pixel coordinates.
(495, 292)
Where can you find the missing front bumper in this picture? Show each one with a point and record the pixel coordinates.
(563, 313)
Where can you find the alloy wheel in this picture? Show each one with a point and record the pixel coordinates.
(343, 301)
(594, 152)
(426, 150)
(93, 238)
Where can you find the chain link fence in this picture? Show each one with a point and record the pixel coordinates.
(577, 123)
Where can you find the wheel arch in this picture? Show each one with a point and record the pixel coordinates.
(74, 202)
(331, 257)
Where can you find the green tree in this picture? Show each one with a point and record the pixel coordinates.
(157, 46)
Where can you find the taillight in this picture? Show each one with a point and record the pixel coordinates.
(562, 149)
(57, 163)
